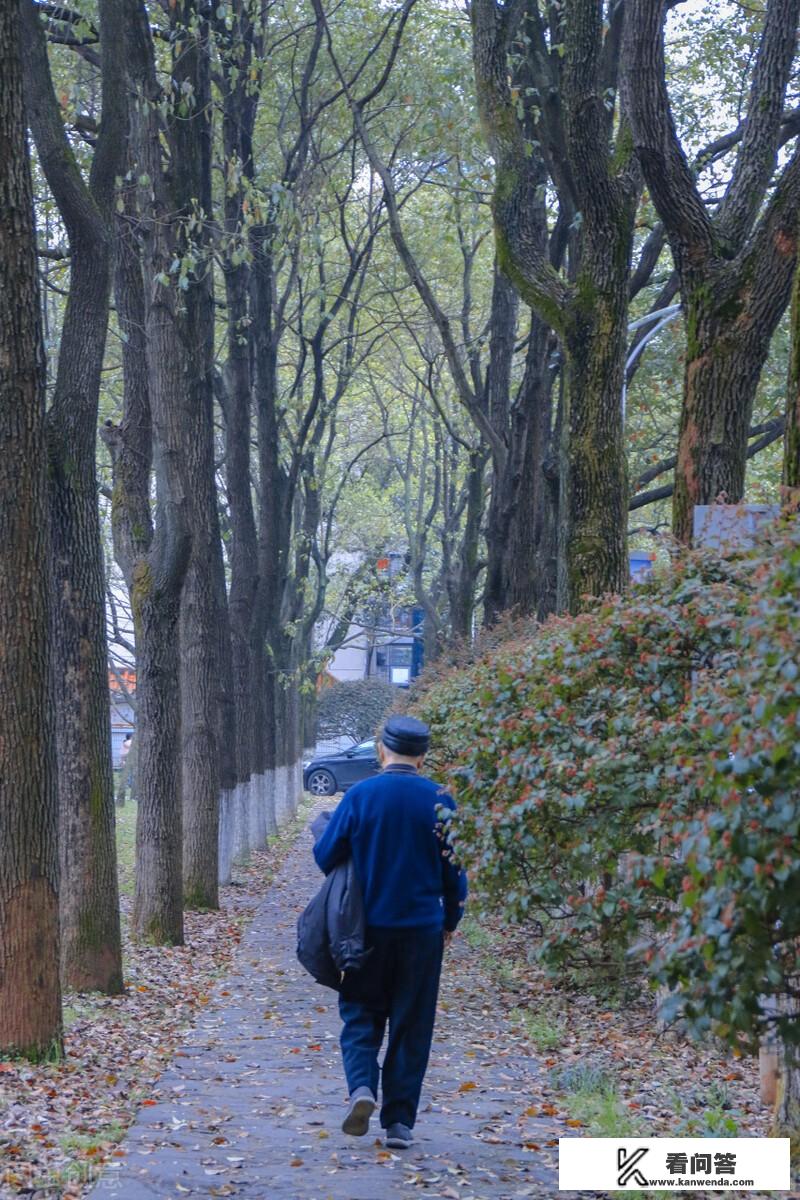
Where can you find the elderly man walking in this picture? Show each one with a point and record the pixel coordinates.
(413, 899)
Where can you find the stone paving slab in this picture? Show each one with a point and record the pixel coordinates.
(251, 1105)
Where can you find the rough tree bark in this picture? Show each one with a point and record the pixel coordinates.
(497, 399)
(91, 956)
(200, 645)
(735, 268)
(270, 648)
(30, 996)
(154, 557)
(532, 543)
(791, 434)
(461, 574)
(522, 520)
(590, 163)
(237, 47)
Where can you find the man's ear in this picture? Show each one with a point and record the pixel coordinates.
(420, 762)
(381, 753)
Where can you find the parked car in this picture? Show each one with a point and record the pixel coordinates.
(337, 772)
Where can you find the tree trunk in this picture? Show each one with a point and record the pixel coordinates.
(158, 577)
(265, 748)
(729, 324)
(287, 751)
(787, 1108)
(461, 583)
(269, 648)
(595, 494)
(786, 1121)
(503, 331)
(520, 575)
(791, 436)
(158, 897)
(244, 544)
(153, 562)
(155, 600)
(226, 720)
(91, 955)
(30, 997)
(294, 744)
(240, 95)
(590, 163)
(735, 266)
(199, 621)
(276, 740)
(145, 556)
(531, 541)
(308, 721)
(200, 775)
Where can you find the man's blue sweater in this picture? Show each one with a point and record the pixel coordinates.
(391, 827)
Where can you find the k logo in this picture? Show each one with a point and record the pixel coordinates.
(627, 1166)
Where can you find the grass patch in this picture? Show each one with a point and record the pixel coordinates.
(719, 1118)
(80, 1143)
(590, 1095)
(604, 1114)
(476, 935)
(79, 1171)
(503, 972)
(75, 1009)
(126, 841)
(126, 847)
(546, 1033)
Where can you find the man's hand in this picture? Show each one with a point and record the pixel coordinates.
(448, 937)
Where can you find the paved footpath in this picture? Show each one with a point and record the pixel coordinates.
(251, 1105)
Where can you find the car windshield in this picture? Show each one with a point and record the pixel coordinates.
(365, 747)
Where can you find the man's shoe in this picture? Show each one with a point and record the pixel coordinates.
(360, 1109)
(398, 1136)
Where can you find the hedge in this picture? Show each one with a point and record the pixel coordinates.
(353, 708)
(628, 784)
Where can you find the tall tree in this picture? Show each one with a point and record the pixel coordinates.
(153, 554)
(516, 428)
(30, 996)
(90, 931)
(202, 650)
(240, 47)
(441, 465)
(735, 267)
(546, 88)
(291, 311)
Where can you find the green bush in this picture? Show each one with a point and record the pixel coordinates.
(598, 800)
(353, 708)
(732, 954)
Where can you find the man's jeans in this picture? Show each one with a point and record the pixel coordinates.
(399, 983)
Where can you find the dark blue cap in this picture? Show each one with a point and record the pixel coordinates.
(406, 735)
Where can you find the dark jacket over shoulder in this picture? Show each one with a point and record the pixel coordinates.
(331, 931)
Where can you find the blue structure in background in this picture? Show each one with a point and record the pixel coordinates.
(418, 645)
(400, 657)
(121, 690)
(397, 656)
(641, 564)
